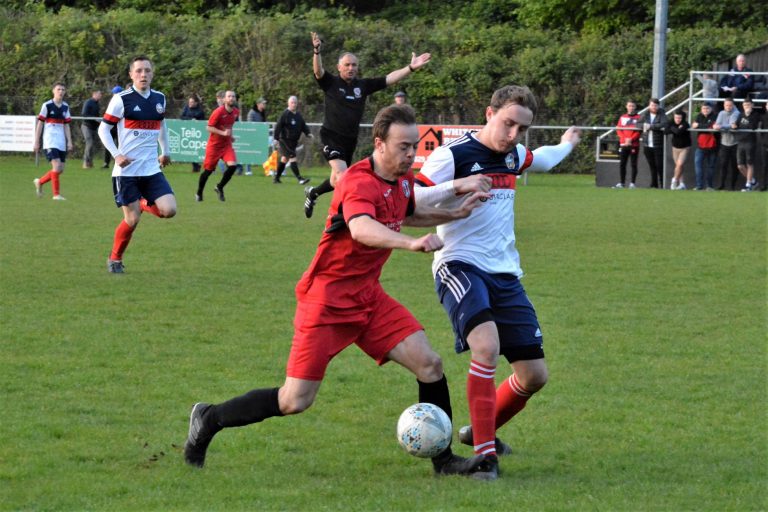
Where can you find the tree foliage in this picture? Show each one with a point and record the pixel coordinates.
(579, 76)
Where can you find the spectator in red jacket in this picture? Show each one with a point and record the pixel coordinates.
(629, 143)
(705, 157)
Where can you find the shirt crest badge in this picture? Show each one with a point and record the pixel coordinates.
(406, 189)
(511, 160)
(159, 108)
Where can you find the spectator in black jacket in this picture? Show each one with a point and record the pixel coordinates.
(740, 82)
(681, 144)
(194, 110)
(654, 122)
(747, 144)
(90, 127)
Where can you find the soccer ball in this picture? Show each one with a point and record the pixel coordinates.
(424, 430)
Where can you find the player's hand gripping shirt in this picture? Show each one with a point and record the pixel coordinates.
(139, 123)
(486, 238)
(55, 117)
(345, 273)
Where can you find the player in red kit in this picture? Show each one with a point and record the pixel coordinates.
(220, 145)
(340, 301)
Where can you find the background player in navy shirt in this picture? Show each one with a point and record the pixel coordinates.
(138, 183)
(53, 124)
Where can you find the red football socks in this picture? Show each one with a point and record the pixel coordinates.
(511, 398)
(54, 182)
(150, 209)
(123, 235)
(481, 395)
(46, 177)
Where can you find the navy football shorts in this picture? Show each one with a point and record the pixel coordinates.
(471, 297)
(55, 154)
(128, 189)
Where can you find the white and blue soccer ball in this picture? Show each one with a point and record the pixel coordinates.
(424, 430)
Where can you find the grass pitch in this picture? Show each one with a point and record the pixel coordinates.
(653, 306)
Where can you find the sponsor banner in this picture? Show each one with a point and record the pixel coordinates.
(188, 139)
(17, 133)
(433, 135)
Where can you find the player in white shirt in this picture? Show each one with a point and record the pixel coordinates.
(477, 271)
(138, 182)
(53, 124)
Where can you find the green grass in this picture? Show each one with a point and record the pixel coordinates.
(653, 306)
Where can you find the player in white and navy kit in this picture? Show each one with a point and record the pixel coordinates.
(477, 271)
(53, 124)
(137, 179)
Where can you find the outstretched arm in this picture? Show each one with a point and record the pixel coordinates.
(546, 157)
(317, 61)
(416, 62)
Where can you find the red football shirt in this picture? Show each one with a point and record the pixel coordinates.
(222, 120)
(345, 273)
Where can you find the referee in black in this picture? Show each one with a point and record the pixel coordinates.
(345, 97)
(288, 130)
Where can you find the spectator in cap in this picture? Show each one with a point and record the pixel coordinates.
(116, 89)
(400, 98)
(258, 113)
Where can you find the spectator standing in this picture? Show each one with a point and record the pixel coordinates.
(257, 114)
(629, 143)
(654, 122)
(705, 158)
(345, 95)
(727, 120)
(220, 98)
(681, 144)
(288, 130)
(747, 144)
(709, 87)
(193, 110)
(739, 82)
(53, 125)
(219, 145)
(400, 98)
(90, 127)
(138, 182)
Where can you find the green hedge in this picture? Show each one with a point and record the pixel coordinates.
(579, 77)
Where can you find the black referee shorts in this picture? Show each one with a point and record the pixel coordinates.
(287, 148)
(337, 147)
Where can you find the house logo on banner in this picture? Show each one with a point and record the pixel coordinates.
(433, 135)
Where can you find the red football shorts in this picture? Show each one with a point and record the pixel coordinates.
(215, 153)
(321, 332)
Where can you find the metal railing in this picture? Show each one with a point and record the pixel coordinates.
(692, 97)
